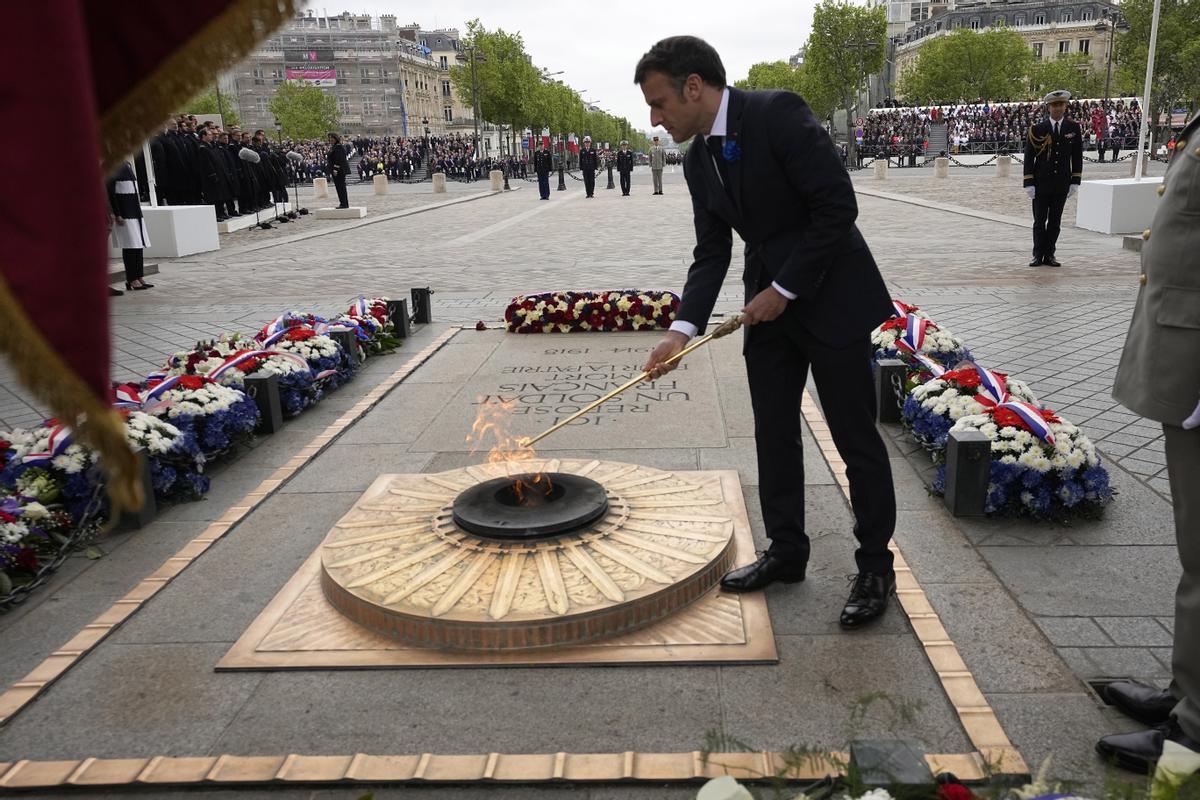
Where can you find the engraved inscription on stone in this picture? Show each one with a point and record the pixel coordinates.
(540, 381)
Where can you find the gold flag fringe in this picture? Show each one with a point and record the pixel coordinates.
(228, 38)
(41, 369)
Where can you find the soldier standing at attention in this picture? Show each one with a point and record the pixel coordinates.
(658, 160)
(542, 164)
(1053, 169)
(588, 162)
(625, 166)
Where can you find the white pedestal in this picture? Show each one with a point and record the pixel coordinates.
(1003, 166)
(250, 220)
(941, 168)
(439, 183)
(320, 188)
(880, 166)
(497, 179)
(381, 184)
(353, 212)
(1117, 205)
(180, 230)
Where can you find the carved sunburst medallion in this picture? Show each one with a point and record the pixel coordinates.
(398, 564)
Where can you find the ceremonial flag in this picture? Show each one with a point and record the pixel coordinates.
(117, 72)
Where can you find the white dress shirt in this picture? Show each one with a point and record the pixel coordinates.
(720, 127)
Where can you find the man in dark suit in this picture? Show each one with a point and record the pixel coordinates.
(337, 165)
(762, 165)
(625, 166)
(1053, 169)
(543, 162)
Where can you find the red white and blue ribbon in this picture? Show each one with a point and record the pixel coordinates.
(128, 396)
(60, 440)
(928, 364)
(362, 308)
(1032, 417)
(913, 338)
(993, 389)
(235, 361)
(280, 323)
(902, 309)
(993, 395)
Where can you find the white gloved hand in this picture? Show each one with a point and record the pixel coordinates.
(1194, 420)
(1030, 191)
(1072, 191)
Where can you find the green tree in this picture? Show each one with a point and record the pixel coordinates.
(505, 77)
(772, 75)
(207, 104)
(969, 65)
(1176, 56)
(304, 110)
(1070, 71)
(846, 46)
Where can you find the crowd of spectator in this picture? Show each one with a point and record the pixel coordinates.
(985, 127)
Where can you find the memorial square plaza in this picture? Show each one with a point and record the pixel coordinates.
(1037, 612)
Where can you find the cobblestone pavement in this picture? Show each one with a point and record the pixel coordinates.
(1105, 604)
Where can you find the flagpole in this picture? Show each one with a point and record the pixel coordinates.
(1137, 169)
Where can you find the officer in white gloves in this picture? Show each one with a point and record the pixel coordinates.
(1053, 169)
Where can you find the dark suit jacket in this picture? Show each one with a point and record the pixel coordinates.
(336, 163)
(624, 161)
(1053, 163)
(791, 201)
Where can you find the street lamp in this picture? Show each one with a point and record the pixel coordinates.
(1110, 20)
(475, 108)
(428, 149)
(279, 131)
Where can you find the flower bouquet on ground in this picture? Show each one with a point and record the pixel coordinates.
(45, 464)
(374, 326)
(31, 534)
(294, 332)
(916, 334)
(932, 407)
(229, 360)
(218, 417)
(176, 463)
(565, 312)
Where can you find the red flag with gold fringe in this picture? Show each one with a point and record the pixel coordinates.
(109, 75)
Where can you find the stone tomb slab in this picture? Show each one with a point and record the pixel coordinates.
(541, 380)
(300, 629)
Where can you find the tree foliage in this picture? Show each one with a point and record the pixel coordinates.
(305, 111)
(1176, 56)
(846, 46)
(207, 104)
(781, 75)
(1072, 72)
(969, 65)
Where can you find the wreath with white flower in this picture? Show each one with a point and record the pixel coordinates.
(916, 333)
(932, 408)
(567, 312)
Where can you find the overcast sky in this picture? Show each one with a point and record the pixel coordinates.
(597, 46)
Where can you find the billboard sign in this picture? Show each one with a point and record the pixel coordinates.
(313, 66)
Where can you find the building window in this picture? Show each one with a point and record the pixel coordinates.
(1066, 16)
(1039, 19)
(448, 114)
(1085, 45)
(1019, 21)
(1086, 16)
(444, 62)
(1037, 50)
(975, 23)
(343, 105)
(998, 22)
(1064, 47)
(445, 88)
(260, 105)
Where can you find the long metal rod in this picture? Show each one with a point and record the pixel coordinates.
(1142, 129)
(728, 326)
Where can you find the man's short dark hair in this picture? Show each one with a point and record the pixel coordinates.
(677, 57)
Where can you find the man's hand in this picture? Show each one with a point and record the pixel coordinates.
(670, 345)
(766, 306)
(1030, 192)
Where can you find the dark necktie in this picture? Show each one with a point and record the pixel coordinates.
(715, 148)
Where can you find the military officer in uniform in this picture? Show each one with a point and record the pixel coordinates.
(543, 162)
(588, 162)
(625, 166)
(1159, 378)
(1053, 169)
(658, 160)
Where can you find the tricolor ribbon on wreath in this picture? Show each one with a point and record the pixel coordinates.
(60, 440)
(913, 338)
(994, 397)
(241, 357)
(902, 308)
(130, 397)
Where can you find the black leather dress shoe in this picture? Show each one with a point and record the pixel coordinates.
(1037, 262)
(1140, 751)
(762, 573)
(1050, 261)
(868, 598)
(1146, 704)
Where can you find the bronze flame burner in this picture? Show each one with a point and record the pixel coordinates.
(530, 507)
